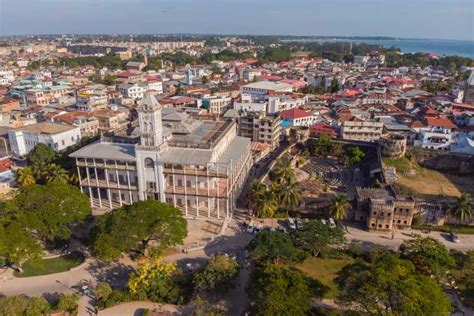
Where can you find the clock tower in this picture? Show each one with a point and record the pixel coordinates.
(149, 117)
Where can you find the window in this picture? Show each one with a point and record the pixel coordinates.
(380, 225)
(149, 163)
(373, 225)
(375, 213)
(386, 226)
(399, 221)
(404, 222)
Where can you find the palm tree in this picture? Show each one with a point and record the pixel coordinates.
(462, 208)
(283, 169)
(339, 206)
(257, 194)
(25, 177)
(268, 206)
(289, 194)
(54, 173)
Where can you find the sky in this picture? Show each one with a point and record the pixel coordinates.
(440, 19)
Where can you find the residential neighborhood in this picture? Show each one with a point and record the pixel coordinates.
(216, 175)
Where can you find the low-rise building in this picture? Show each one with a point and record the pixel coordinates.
(355, 129)
(260, 128)
(259, 89)
(297, 117)
(57, 136)
(383, 209)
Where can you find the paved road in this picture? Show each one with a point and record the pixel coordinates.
(368, 239)
(233, 241)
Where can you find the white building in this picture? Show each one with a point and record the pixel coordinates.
(197, 166)
(368, 130)
(6, 76)
(137, 90)
(258, 90)
(57, 136)
(297, 117)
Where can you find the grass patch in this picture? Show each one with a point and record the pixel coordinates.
(447, 229)
(37, 267)
(324, 270)
(427, 182)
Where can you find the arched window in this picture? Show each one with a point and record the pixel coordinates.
(149, 163)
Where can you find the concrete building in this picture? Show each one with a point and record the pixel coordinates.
(215, 104)
(258, 90)
(57, 136)
(197, 166)
(368, 131)
(383, 209)
(260, 128)
(297, 117)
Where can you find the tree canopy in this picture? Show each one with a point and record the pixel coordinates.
(48, 211)
(273, 247)
(132, 227)
(353, 155)
(315, 236)
(280, 291)
(391, 286)
(428, 255)
(218, 276)
(41, 154)
(157, 281)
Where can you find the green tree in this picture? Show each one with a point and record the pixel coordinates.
(334, 86)
(55, 174)
(218, 276)
(283, 169)
(462, 208)
(156, 281)
(315, 236)
(17, 244)
(49, 211)
(134, 226)
(25, 177)
(279, 291)
(37, 306)
(353, 155)
(391, 286)
(428, 255)
(268, 205)
(289, 194)
(41, 154)
(339, 205)
(68, 302)
(274, 247)
(102, 291)
(13, 305)
(257, 194)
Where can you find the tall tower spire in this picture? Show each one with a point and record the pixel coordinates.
(149, 117)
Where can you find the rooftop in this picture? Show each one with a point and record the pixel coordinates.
(46, 128)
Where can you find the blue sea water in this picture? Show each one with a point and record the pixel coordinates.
(437, 46)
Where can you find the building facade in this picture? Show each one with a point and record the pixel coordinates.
(383, 209)
(197, 166)
(260, 128)
(368, 131)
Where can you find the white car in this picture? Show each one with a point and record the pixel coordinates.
(332, 223)
(250, 227)
(291, 223)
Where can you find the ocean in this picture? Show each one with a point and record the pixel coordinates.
(437, 46)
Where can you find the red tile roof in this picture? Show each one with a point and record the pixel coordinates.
(441, 122)
(295, 114)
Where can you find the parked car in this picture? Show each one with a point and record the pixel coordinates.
(332, 223)
(282, 229)
(250, 227)
(455, 238)
(299, 223)
(291, 223)
(323, 221)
